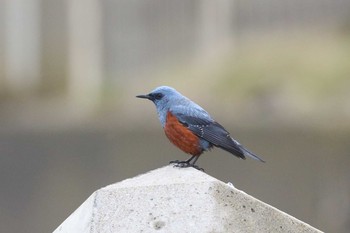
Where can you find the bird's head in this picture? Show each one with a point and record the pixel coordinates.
(162, 96)
(168, 99)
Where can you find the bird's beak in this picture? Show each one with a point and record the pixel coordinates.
(144, 96)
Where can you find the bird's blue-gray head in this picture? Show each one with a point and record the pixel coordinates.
(164, 98)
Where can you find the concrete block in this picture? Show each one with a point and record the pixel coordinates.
(177, 200)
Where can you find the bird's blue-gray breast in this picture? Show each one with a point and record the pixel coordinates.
(179, 105)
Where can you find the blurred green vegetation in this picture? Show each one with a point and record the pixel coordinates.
(315, 66)
(286, 77)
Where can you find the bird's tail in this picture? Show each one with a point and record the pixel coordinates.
(247, 153)
(239, 150)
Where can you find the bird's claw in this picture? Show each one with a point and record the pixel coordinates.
(177, 161)
(184, 164)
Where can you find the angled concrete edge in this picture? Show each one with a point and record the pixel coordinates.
(171, 199)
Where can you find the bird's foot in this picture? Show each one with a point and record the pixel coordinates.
(184, 164)
(177, 161)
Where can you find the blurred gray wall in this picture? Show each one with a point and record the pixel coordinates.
(102, 40)
(80, 46)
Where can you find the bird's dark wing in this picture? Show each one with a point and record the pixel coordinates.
(213, 132)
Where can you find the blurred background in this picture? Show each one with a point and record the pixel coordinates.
(275, 73)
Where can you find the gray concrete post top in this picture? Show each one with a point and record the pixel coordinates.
(172, 199)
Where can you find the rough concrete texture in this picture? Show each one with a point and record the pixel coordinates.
(177, 200)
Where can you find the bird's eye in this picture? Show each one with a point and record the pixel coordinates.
(158, 96)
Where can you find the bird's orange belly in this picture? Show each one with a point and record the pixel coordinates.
(181, 136)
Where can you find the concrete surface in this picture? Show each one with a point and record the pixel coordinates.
(171, 199)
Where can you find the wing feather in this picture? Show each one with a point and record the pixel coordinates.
(213, 132)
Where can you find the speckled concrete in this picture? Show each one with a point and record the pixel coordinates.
(177, 200)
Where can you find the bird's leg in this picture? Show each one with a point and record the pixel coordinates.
(195, 166)
(195, 160)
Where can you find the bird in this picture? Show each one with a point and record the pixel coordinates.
(189, 127)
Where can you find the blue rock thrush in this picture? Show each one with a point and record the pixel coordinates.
(189, 127)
